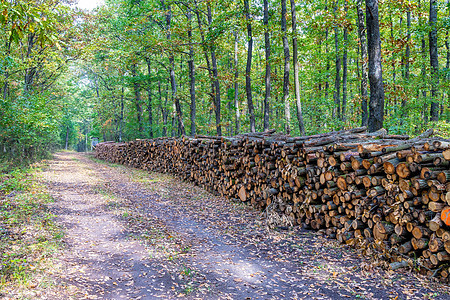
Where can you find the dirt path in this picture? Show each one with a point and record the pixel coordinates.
(134, 235)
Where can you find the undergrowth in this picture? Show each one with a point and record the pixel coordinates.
(28, 234)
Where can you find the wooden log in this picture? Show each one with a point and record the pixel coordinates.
(436, 206)
(419, 244)
(375, 191)
(391, 165)
(443, 176)
(443, 256)
(418, 232)
(447, 246)
(443, 145)
(434, 260)
(405, 247)
(402, 170)
(426, 157)
(242, 194)
(299, 179)
(446, 154)
(341, 183)
(381, 230)
(398, 265)
(435, 223)
(436, 245)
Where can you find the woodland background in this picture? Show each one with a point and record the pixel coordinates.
(149, 68)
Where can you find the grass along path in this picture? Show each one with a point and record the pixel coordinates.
(29, 237)
(130, 234)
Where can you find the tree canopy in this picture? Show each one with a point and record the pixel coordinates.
(148, 68)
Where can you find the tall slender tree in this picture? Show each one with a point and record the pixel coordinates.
(236, 85)
(149, 94)
(173, 82)
(287, 109)
(337, 81)
(447, 63)
(363, 47)
(344, 69)
(301, 124)
(407, 58)
(205, 46)
(434, 110)
(217, 102)
(423, 72)
(376, 104)
(137, 99)
(191, 72)
(267, 78)
(248, 80)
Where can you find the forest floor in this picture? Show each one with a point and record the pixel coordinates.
(130, 234)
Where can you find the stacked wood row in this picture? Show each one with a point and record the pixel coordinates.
(386, 194)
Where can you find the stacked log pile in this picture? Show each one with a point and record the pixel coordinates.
(382, 193)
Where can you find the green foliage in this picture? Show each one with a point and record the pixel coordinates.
(100, 74)
(16, 181)
(28, 128)
(128, 36)
(443, 128)
(35, 45)
(28, 236)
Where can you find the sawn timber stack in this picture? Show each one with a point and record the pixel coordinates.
(382, 193)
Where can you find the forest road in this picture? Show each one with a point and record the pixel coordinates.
(130, 234)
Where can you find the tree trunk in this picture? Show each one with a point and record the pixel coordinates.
(277, 108)
(163, 109)
(137, 99)
(447, 46)
(447, 65)
(376, 104)
(287, 110)
(337, 82)
(267, 77)
(344, 70)
(86, 141)
(327, 82)
(173, 81)
(216, 79)
(67, 138)
(6, 71)
(174, 121)
(150, 114)
(121, 113)
(236, 84)
(248, 83)
(362, 38)
(407, 55)
(149, 105)
(205, 48)
(393, 98)
(301, 125)
(423, 75)
(29, 72)
(191, 74)
(178, 111)
(434, 111)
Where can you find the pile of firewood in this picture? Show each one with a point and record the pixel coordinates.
(379, 192)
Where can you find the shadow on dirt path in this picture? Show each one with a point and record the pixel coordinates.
(135, 235)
